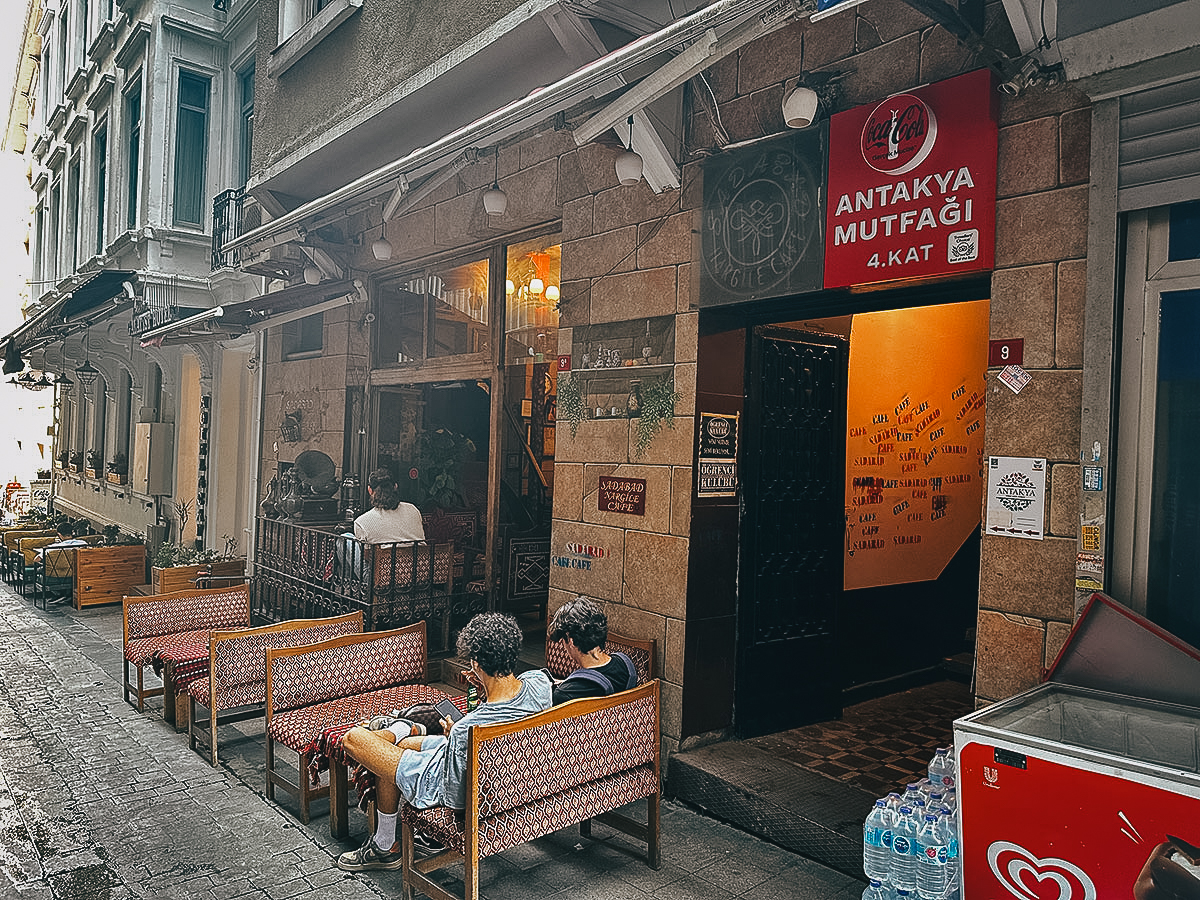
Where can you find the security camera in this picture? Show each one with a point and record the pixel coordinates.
(1022, 78)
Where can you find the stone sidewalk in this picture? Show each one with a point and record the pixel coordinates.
(99, 802)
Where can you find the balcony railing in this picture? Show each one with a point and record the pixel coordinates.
(304, 572)
(234, 213)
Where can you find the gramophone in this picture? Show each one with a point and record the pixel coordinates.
(316, 489)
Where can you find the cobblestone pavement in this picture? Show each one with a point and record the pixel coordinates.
(100, 802)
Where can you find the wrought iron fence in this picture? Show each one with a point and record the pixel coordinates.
(304, 572)
(235, 212)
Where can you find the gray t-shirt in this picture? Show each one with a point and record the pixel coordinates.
(434, 775)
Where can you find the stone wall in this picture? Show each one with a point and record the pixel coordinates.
(1027, 588)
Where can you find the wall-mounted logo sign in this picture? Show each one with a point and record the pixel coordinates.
(623, 495)
(912, 184)
(761, 232)
(716, 463)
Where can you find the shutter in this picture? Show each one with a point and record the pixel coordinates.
(1159, 152)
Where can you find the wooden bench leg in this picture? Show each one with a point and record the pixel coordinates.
(653, 827)
(406, 850)
(585, 828)
(168, 680)
(305, 789)
(270, 768)
(339, 825)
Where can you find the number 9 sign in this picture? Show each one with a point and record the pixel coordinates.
(1009, 352)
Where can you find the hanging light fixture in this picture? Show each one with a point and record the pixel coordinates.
(312, 274)
(381, 248)
(87, 373)
(629, 163)
(495, 201)
(802, 104)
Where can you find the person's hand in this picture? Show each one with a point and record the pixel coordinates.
(447, 724)
(1162, 878)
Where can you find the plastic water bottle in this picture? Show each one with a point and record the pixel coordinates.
(875, 891)
(931, 855)
(942, 768)
(902, 894)
(893, 804)
(912, 793)
(876, 857)
(903, 870)
(949, 825)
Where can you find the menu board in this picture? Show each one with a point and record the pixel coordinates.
(914, 443)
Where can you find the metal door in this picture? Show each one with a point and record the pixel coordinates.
(790, 571)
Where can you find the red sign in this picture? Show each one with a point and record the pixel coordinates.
(623, 495)
(912, 184)
(564, 363)
(1006, 353)
(1041, 830)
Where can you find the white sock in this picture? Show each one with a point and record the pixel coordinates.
(385, 830)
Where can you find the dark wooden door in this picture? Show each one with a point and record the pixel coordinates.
(790, 570)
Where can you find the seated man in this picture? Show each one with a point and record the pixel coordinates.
(584, 626)
(428, 770)
(69, 535)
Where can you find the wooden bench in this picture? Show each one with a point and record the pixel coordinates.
(11, 552)
(526, 779)
(643, 653)
(154, 623)
(339, 682)
(54, 575)
(106, 574)
(235, 687)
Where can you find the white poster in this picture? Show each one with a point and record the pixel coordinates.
(1016, 497)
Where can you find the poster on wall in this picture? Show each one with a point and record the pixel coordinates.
(1016, 497)
(716, 463)
(914, 445)
(912, 184)
(761, 232)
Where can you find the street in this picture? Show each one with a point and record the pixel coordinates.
(99, 802)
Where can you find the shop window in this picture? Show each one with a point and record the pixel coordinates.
(531, 290)
(441, 312)
(304, 337)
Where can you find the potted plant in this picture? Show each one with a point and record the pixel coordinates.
(440, 455)
(77, 461)
(118, 469)
(43, 475)
(95, 464)
(176, 567)
(64, 458)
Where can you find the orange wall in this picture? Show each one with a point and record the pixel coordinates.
(914, 444)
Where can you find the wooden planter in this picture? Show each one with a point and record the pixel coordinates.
(90, 472)
(114, 478)
(183, 578)
(106, 574)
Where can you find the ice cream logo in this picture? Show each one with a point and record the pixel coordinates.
(1025, 876)
(992, 776)
(1015, 491)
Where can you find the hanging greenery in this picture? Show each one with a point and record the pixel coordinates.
(658, 399)
(440, 455)
(570, 401)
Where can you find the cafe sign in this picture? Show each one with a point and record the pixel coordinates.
(623, 495)
(912, 184)
(716, 463)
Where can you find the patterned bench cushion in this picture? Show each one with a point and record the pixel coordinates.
(143, 651)
(187, 611)
(296, 728)
(538, 817)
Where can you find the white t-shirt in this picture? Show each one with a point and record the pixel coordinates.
(385, 526)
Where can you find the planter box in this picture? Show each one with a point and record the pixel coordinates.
(90, 472)
(183, 578)
(107, 574)
(113, 478)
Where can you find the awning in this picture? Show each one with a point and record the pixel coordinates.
(72, 312)
(232, 320)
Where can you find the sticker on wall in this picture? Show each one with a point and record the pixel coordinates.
(1016, 497)
(716, 463)
(1015, 378)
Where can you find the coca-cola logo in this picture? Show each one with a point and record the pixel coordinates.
(1024, 875)
(899, 134)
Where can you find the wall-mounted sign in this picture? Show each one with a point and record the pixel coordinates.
(912, 184)
(623, 495)
(1010, 352)
(1016, 497)
(761, 232)
(716, 464)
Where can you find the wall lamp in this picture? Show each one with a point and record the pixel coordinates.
(802, 104)
(495, 201)
(629, 163)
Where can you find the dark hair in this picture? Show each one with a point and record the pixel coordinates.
(581, 620)
(384, 493)
(493, 640)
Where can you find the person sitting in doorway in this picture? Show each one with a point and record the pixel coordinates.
(390, 520)
(430, 770)
(583, 626)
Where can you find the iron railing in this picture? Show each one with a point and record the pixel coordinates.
(304, 572)
(235, 212)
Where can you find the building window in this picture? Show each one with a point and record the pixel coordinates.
(133, 143)
(39, 251)
(246, 87)
(191, 148)
(303, 337)
(441, 311)
(81, 32)
(100, 175)
(54, 235)
(72, 238)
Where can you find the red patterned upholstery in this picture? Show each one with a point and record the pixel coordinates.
(580, 760)
(297, 728)
(558, 661)
(186, 611)
(144, 651)
(379, 660)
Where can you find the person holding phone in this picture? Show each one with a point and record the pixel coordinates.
(429, 770)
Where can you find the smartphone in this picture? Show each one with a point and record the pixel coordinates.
(448, 710)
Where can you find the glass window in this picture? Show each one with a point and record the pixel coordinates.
(303, 336)
(246, 85)
(531, 289)
(1184, 240)
(72, 239)
(191, 148)
(440, 312)
(100, 157)
(133, 140)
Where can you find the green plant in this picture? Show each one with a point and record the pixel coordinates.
(77, 459)
(440, 454)
(175, 555)
(658, 399)
(95, 460)
(570, 401)
(119, 464)
(110, 533)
